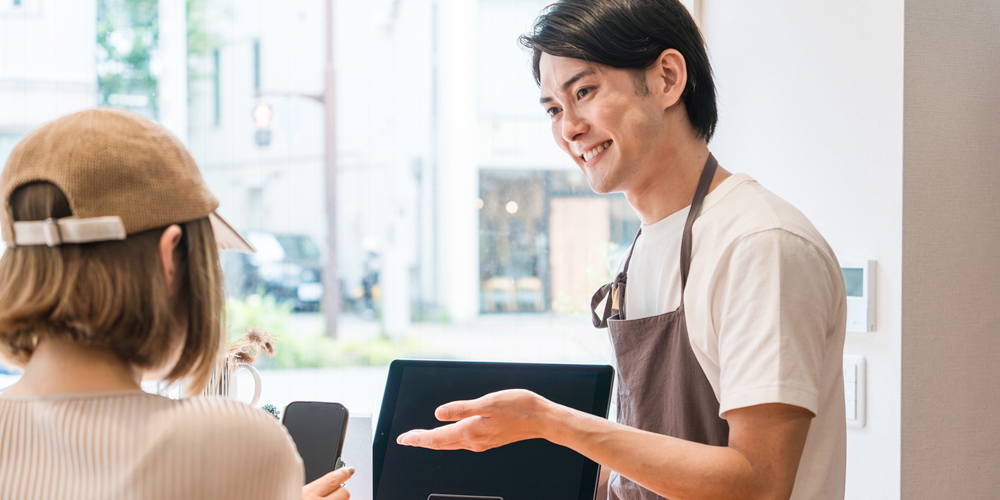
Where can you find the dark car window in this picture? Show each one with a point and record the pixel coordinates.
(298, 248)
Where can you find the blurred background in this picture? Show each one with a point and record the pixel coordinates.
(408, 201)
(461, 231)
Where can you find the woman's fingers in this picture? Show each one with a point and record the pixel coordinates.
(339, 494)
(329, 483)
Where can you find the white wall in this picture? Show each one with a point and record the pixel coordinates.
(811, 105)
(951, 263)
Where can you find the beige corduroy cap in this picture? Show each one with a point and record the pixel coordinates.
(122, 174)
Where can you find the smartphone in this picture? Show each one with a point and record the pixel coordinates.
(318, 430)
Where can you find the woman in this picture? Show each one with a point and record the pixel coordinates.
(111, 276)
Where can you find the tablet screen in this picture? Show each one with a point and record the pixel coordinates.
(535, 469)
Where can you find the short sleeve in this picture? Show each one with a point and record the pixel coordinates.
(773, 307)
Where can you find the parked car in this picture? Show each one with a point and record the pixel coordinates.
(286, 266)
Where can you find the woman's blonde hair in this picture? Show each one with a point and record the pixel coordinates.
(112, 294)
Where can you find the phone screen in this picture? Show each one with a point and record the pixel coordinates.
(318, 430)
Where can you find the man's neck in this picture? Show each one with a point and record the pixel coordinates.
(65, 367)
(668, 182)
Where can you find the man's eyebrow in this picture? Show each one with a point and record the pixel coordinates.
(570, 82)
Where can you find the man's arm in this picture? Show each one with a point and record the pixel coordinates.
(765, 444)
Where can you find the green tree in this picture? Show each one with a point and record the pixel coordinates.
(127, 40)
(200, 42)
(127, 37)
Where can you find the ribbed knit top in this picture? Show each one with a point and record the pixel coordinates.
(131, 444)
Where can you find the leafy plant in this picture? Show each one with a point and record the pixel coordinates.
(273, 410)
(325, 352)
(262, 312)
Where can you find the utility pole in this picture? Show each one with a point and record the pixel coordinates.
(331, 283)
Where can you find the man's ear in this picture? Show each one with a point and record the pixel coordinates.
(667, 78)
(168, 245)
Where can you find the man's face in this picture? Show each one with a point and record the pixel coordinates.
(600, 119)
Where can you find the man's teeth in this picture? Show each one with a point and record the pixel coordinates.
(596, 151)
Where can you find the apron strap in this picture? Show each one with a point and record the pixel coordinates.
(707, 174)
(616, 289)
(602, 294)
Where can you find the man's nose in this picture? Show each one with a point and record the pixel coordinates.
(573, 126)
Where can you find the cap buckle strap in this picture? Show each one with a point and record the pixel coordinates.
(53, 236)
(68, 230)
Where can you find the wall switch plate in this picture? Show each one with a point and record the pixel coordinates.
(855, 390)
(859, 282)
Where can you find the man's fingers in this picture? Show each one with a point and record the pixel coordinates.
(407, 439)
(454, 411)
(328, 483)
(447, 437)
(458, 410)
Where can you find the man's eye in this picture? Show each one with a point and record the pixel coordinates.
(553, 111)
(580, 94)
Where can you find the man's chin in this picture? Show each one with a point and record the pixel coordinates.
(600, 186)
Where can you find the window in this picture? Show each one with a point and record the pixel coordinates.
(127, 40)
(21, 8)
(462, 231)
(216, 89)
(256, 65)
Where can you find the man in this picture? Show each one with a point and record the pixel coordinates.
(730, 337)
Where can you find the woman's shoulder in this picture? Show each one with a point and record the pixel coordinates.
(216, 409)
(232, 440)
(202, 447)
(217, 418)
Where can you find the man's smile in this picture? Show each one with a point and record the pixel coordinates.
(591, 156)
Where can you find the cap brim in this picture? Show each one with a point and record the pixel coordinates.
(226, 237)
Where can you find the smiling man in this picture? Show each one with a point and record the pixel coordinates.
(729, 340)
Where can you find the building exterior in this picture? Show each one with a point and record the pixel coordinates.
(48, 64)
(51, 63)
(448, 178)
(449, 185)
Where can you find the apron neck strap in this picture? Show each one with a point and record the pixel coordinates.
(608, 292)
(707, 174)
(630, 250)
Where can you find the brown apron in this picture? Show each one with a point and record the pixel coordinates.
(661, 386)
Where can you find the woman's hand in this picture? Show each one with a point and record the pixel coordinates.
(330, 486)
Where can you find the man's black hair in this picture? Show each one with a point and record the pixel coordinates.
(629, 34)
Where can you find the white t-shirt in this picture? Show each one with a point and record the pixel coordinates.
(766, 313)
(130, 444)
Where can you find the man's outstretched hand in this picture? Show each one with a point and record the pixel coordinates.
(481, 424)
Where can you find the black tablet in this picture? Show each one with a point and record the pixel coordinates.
(534, 469)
